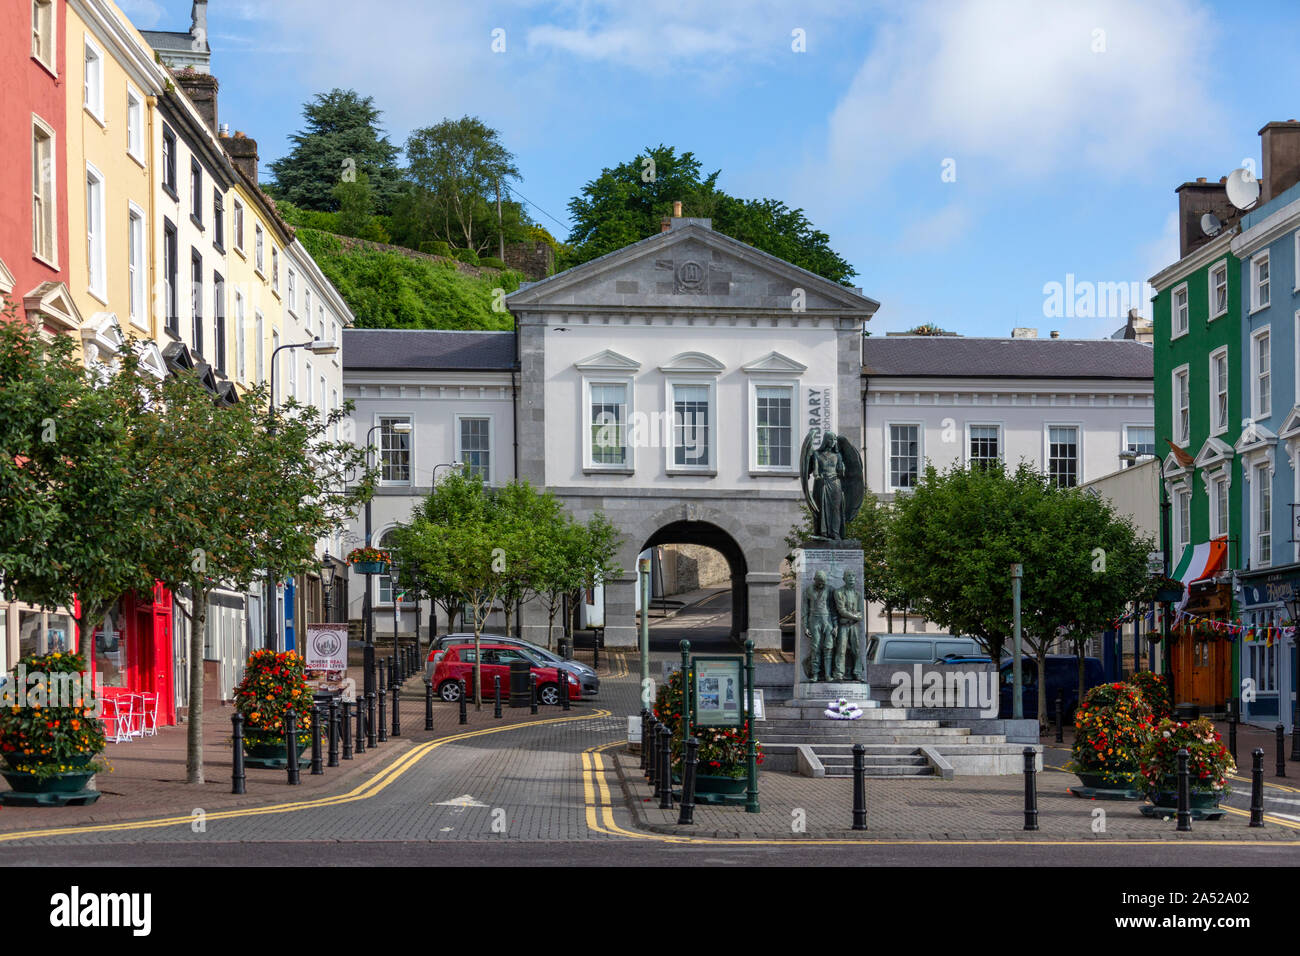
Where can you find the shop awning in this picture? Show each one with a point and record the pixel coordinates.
(1203, 561)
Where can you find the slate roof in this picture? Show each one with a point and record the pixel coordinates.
(172, 40)
(932, 356)
(429, 349)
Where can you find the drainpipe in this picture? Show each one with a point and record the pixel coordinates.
(514, 429)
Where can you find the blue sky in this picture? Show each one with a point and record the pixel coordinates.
(1063, 128)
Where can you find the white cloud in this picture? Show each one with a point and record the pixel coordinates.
(650, 34)
(1159, 253)
(143, 14)
(1021, 84)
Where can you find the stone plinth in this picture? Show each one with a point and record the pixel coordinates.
(833, 558)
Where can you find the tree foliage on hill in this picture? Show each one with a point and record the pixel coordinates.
(628, 203)
(454, 169)
(389, 290)
(342, 135)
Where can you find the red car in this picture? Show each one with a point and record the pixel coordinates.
(453, 664)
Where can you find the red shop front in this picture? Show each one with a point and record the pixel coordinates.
(131, 652)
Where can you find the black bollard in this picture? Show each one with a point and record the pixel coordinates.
(237, 753)
(317, 765)
(428, 706)
(1184, 793)
(532, 693)
(1257, 788)
(652, 757)
(1233, 706)
(595, 650)
(372, 739)
(383, 676)
(1031, 789)
(345, 725)
(1060, 718)
(1281, 750)
(360, 707)
(464, 715)
(859, 786)
(666, 759)
(1295, 726)
(689, 762)
(291, 741)
(564, 687)
(496, 695)
(383, 715)
(397, 712)
(335, 712)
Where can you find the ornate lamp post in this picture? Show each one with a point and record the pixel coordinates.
(397, 428)
(327, 571)
(318, 347)
(393, 575)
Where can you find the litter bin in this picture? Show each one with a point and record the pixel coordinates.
(519, 674)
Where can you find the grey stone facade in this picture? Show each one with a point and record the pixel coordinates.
(693, 291)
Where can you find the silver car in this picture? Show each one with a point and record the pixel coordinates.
(584, 674)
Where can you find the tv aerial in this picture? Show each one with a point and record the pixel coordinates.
(1243, 188)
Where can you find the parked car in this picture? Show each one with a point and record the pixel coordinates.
(455, 663)
(1062, 678)
(918, 648)
(585, 674)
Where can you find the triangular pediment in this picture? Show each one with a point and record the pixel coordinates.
(607, 361)
(151, 359)
(1213, 453)
(1291, 424)
(774, 363)
(6, 279)
(1172, 467)
(692, 362)
(1254, 436)
(50, 303)
(691, 267)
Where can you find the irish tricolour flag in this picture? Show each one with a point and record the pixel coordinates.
(1200, 562)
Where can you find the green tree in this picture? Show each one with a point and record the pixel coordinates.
(356, 215)
(73, 511)
(341, 137)
(578, 557)
(956, 534)
(455, 168)
(628, 203)
(233, 498)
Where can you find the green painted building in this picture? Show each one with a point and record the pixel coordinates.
(1197, 325)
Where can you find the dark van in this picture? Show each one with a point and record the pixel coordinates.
(1062, 678)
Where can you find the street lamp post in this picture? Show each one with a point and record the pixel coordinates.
(445, 464)
(392, 579)
(327, 571)
(318, 347)
(368, 680)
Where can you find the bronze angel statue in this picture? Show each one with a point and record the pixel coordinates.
(833, 469)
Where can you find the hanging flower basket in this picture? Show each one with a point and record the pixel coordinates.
(370, 560)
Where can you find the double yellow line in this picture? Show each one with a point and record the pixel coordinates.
(375, 785)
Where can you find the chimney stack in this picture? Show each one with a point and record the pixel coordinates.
(1279, 145)
(1194, 201)
(1055, 334)
(677, 209)
(201, 88)
(1024, 333)
(243, 153)
(665, 224)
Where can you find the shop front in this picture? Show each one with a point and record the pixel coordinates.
(1268, 650)
(131, 651)
(1201, 647)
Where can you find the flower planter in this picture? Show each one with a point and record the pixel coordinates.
(273, 756)
(371, 567)
(70, 781)
(705, 783)
(56, 790)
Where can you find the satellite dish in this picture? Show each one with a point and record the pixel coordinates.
(1210, 224)
(1243, 188)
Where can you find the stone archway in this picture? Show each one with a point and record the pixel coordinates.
(711, 536)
